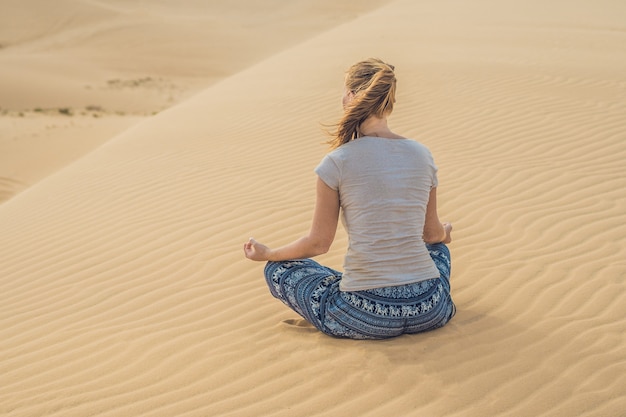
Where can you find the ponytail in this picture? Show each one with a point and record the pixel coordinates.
(373, 84)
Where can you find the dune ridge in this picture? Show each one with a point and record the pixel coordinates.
(124, 290)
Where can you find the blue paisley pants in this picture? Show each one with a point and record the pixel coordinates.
(312, 290)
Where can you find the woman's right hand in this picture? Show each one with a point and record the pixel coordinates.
(256, 251)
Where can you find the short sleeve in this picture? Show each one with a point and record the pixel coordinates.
(435, 180)
(329, 172)
(433, 169)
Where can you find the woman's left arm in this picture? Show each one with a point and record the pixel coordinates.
(318, 240)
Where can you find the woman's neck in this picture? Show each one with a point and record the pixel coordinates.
(377, 127)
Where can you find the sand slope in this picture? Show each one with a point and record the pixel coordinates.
(123, 288)
(37, 144)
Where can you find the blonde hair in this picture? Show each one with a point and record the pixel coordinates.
(373, 83)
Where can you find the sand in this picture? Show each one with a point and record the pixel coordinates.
(123, 286)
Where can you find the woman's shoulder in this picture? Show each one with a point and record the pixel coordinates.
(416, 145)
(366, 145)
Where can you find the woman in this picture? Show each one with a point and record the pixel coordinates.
(396, 275)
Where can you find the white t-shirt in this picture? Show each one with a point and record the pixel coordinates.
(384, 186)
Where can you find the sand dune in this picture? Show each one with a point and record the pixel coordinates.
(110, 58)
(137, 57)
(123, 286)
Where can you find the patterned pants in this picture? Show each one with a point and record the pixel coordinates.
(312, 290)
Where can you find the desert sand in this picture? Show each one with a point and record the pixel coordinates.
(142, 143)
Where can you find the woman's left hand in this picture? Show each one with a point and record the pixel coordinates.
(256, 251)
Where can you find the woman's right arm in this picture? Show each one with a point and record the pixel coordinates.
(319, 239)
(434, 230)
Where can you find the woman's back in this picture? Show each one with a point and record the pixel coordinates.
(384, 186)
